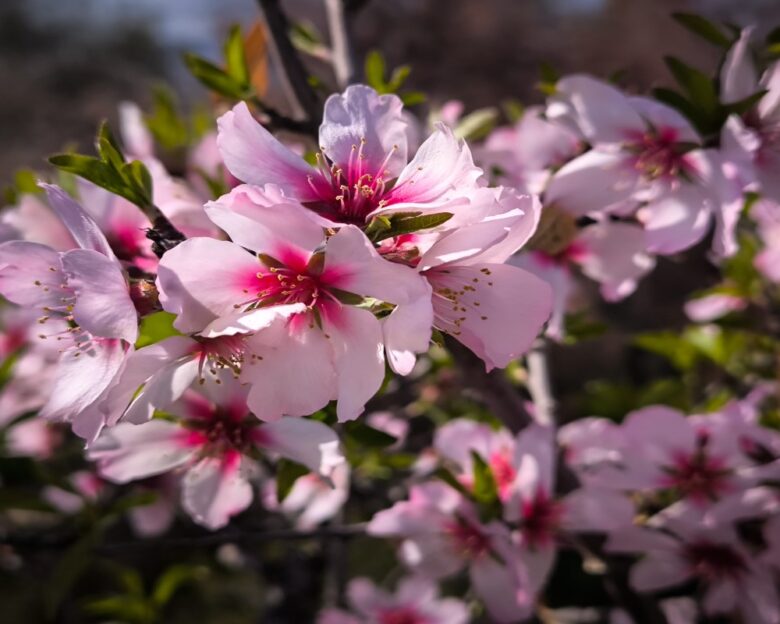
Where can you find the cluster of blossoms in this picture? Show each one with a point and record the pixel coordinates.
(693, 499)
(284, 297)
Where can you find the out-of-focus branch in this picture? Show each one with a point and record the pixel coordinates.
(492, 388)
(295, 72)
(341, 46)
(539, 384)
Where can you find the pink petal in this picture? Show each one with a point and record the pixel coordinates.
(406, 332)
(103, 306)
(675, 221)
(500, 313)
(602, 113)
(507, 597)
(264, 220)
(81, 379)
(615, 256)
(285, 361)
(31, 274)
(137, 139)
(442, 166)
(738, 77)
(214, 490)
(307, 442)
(361, 115)
(658, 571)
(356, 336)
(82, 227)
(128, 452)
(664, 118)
(593, 182)
(254, 156)
(352, 264)
(202, 279)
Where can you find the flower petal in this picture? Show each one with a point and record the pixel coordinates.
(496, 310)
(214, 490)
(307, 442)
(254, 156)
(360, 115)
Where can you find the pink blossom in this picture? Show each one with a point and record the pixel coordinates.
(86, 287)
(212, 440)
(415, 601)
(441, 535)
(689, 549)
(295, 301)
(641, 164)
(362, 165)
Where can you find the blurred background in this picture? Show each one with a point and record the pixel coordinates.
(66, 64)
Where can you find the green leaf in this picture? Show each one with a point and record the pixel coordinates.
(744, 105)
(398, 77)
(235, 57)
(215, 78)
(368, 436)
(699, 87)
(107, 147)
(445, 475)
(70, 567)
(26, 181)
(412, 98)
(165, 123)
(173, 578)
(477, 124)
(701, 26)
(156, 327)
(375, 71)
(485, 489)
(96, 171)
(670, 345)
(513, 109)
(409, 224)
(287, 473)
(678, 101)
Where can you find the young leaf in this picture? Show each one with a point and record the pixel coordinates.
(701, 26)
(445, 475)
(485, 489)
(368, 436)
(477, 124)
(287, 473)
(215, 79)
(156, 327)
(407, 225)
(235, 57)
(375, 71)
(699, 87)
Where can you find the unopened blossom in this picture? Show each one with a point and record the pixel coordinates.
(363, 165)
(415, 601)
(212, 440)
(87, 288)
(442, 535)
(645, 162)
(300, 302)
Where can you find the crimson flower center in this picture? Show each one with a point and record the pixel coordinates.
(468, 538)
(350, 191)
(714, 562)
(540, 519)
(698, 475)
(658, 154)
(401, 615)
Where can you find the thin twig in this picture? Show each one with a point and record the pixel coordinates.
(539, 384)
(294, 71)
(341, 48)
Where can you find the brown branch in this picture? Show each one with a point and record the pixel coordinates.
(279, 27)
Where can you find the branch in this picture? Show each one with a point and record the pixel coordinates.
(295, 72)
(163, 233)
(493, 388)
(341, 48)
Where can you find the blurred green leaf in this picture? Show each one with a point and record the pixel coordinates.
(171, 580)
(375, 70)
(287, 473)
(485, 489)
(477, 124)
(165, 123)
(69, 568)
(704, 28)
(215, 78)
(368, 436)
(407, 223)
(699, 87)
(235, 57)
